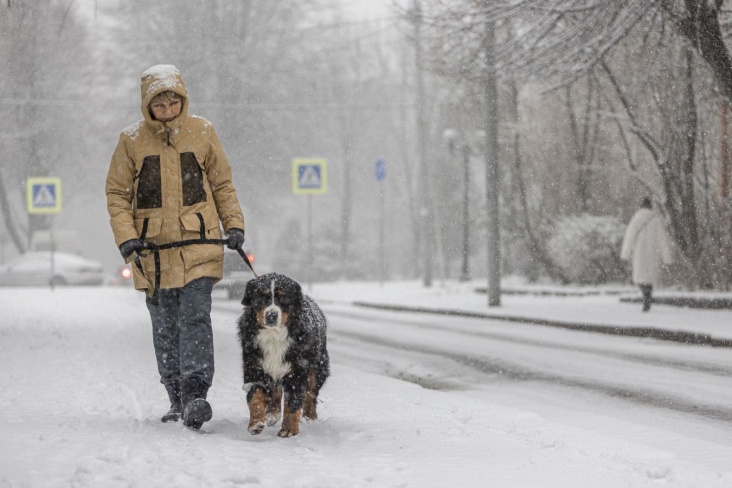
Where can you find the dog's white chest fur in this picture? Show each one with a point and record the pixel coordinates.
(274, 343)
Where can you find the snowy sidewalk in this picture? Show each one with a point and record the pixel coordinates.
(81, 406)
(593, 312)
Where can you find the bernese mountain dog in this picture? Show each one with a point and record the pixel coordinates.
(283, 340)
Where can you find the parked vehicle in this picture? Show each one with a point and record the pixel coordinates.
(236, 274)
(34, 269)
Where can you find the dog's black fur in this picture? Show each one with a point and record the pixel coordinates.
(273, 302)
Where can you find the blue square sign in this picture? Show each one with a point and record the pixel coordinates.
(44, 195)
(309, 176)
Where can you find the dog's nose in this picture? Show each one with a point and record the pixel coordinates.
(271, 316)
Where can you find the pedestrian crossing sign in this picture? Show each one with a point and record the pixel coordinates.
(309, 176)
(44, 195)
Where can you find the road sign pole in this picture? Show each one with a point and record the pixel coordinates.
(43, 196)
(381, 234)
(53, 250)
(380, 173)
(309, 177)
(309, 270)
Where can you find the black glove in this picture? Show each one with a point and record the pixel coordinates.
(128, 247)
(236, 238)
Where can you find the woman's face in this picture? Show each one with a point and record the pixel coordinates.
(166, 111)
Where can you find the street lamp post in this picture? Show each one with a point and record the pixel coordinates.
(465, 276)
(455, 143)
(424, 180)
(492, 171)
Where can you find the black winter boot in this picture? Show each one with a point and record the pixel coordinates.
(173, 414)
(196, 410)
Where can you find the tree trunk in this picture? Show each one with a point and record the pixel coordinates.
(683, 197)
(7, 214)
(584, 136)
(700, 25)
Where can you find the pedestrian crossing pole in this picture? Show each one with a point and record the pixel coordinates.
(380, 174)
(309, 177)
(309, 264)
(43, 195)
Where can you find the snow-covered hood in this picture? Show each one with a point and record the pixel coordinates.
(155, 80)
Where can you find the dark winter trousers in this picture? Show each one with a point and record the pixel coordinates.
(182, 333)
(647, 291)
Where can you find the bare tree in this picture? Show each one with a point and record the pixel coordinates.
(562, 40)
(673, 152)
(519, 206)
(584, 128)
(43, 50)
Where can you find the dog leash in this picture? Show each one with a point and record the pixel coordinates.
(155, 249)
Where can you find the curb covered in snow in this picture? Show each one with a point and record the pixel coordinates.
(631, 331)
(687, 302)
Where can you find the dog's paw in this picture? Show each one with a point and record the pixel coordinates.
(256, 428)
(309, 413)
(272, 418)
(290, 423)
(287, 432)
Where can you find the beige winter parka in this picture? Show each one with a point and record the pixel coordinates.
(171, 181)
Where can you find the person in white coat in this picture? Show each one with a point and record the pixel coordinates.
(648, 246)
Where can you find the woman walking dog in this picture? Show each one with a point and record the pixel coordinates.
(169, 181)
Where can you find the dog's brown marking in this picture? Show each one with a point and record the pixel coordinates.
(309, 409)
(260, 318)
(290, 421)
(257, 408)
(274, 406)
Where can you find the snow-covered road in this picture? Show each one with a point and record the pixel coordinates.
(414, 400)
(689, 379)
(625, 384)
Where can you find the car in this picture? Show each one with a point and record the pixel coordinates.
(34, 269)
(236, 274)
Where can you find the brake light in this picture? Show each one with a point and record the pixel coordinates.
(251, 257)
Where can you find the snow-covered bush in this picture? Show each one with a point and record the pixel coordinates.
(587, 248)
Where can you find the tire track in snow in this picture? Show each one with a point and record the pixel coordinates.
(682, 365)
(514, 372)
(689, 338)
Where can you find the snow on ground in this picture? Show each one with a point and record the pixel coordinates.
(603, 309)
(81, 405)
